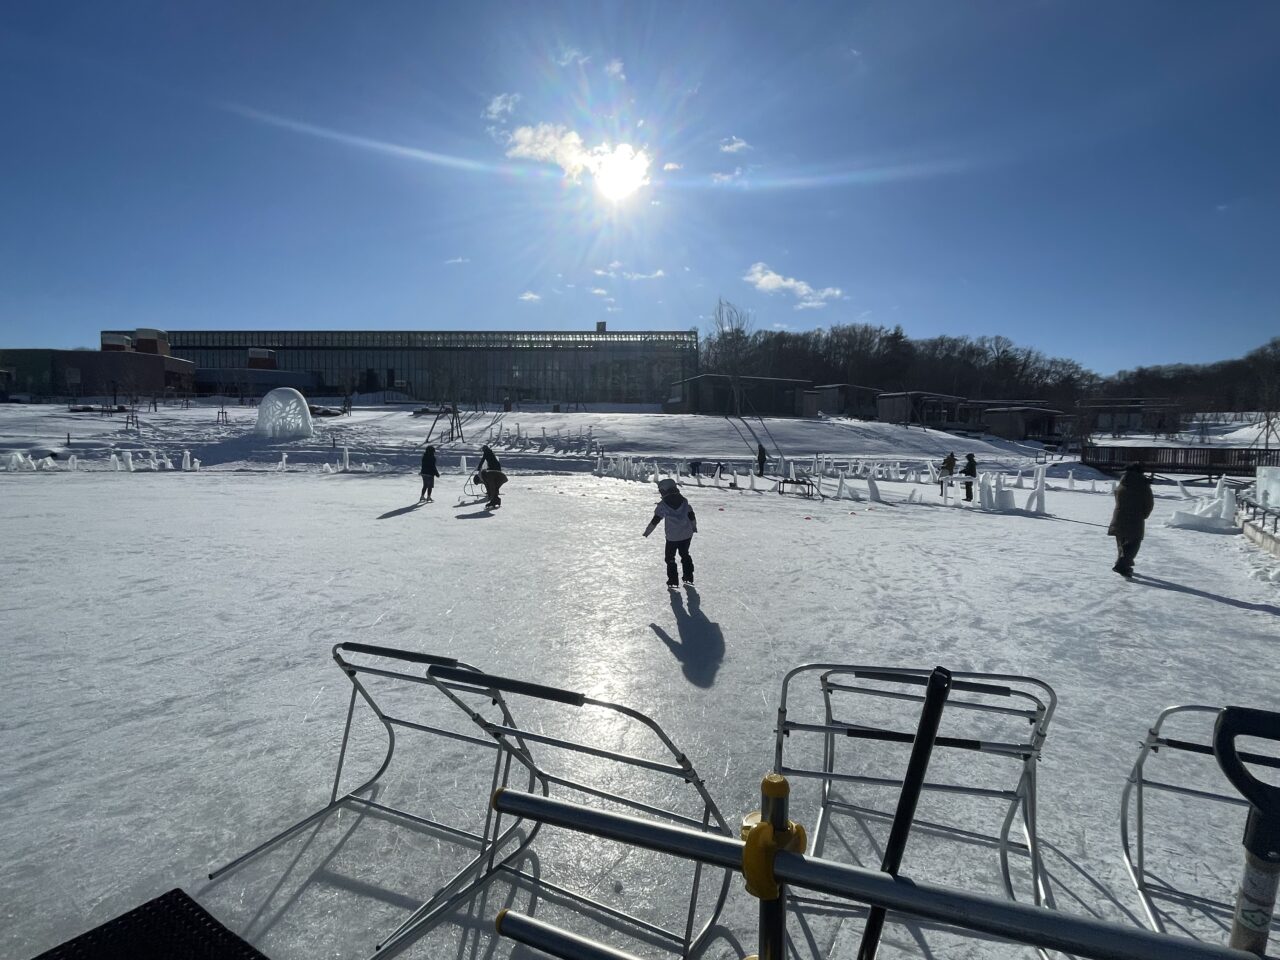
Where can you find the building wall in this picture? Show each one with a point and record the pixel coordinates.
(601, 367)
(92, 373)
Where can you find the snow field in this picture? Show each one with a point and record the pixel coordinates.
(170, 699)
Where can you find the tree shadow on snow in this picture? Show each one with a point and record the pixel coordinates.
(701, 646)
(401, 511)
(1182, 588)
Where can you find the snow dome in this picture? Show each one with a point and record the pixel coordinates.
(283, 414)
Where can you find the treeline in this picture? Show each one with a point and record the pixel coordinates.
(1251, 382)
(978, 368)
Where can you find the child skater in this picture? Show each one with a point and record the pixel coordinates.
(429, 473)
(681, 525)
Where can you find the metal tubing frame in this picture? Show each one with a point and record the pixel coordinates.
(471, 876)
(510, 740)
(1133, 797)
(1040, 704)
(1010, 920)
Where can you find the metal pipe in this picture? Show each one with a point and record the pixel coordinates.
(1083, 936)
(939, 686)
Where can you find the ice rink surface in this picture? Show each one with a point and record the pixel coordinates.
(169, 698)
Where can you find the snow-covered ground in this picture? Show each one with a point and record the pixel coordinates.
(169, 699)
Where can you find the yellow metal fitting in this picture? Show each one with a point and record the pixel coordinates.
(774, 785)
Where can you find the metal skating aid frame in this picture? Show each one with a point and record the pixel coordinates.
(477, 870)
(989, 694)
(1133, 810)
(531, 748)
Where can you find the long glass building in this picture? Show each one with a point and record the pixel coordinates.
(466, 366)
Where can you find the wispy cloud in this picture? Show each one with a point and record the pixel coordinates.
(352, 140)
(673, 166)
(614, 69)
(613, 309)
(458, 260)
(732, 177)
(553, 143)
(600, 291)
(529, 297)
(807, 296)
(568, 55)
(644, 276)
(734, 145)
(500, 107)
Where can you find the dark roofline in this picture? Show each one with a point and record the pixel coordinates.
(922, 393)
(725, 376)
(852, 386)
(1022, 408)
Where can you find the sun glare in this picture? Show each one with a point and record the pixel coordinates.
(621, 172)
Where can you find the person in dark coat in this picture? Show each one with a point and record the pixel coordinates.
(948, 470)
(674, 511)
(761, 457)
(491, 476)
(429, 473)
(1134, 502)
(970, 469)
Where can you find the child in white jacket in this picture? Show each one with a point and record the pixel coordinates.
(681, 525)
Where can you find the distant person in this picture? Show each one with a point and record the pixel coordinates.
(681, 525)
(948, 470)
(491, 476)
(761, 457)
(970, 469)
(1134, 502)
(429, 473)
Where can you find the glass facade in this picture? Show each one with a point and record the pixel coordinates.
(466, 366)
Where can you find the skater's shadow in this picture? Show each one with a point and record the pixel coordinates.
(700, 649)
(401, 511)
(1182, 588)
(475, 515)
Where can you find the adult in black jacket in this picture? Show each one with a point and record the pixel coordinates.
(970, 469)
(1134, 502)
(429, 473)
(761, 457)
(491, 476)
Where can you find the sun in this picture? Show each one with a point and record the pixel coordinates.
(620, 172)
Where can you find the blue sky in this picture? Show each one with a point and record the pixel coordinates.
(1097, 180)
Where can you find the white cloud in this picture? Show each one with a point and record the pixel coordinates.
(673, 166)
(610, 300)
(734, 145)
(459, 260)
(731, 177)
(500, 107)
(529, 297)
(603, 273)
(600, 291)
(568, 55)
(614, 69)
(645, 276)
(613, 309)
(615, 265)
(807, 297)
(553, 143)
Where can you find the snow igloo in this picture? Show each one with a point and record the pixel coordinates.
(283, 414)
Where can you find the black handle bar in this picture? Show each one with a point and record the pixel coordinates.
(1235, 722)
(411, 656)
(474, 679)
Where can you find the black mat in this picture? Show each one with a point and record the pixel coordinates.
(170, 927)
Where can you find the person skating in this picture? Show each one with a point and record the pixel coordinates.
(680, 526)
(429, 473)
(1134, 502)
(761, 457)
(970, 469)
(491, 476)
(948, 470)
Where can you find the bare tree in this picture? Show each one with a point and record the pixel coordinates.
(729, 343)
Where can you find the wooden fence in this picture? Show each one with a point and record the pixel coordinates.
(1201, 461)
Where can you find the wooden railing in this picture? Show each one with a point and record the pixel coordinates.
(1204, 461)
